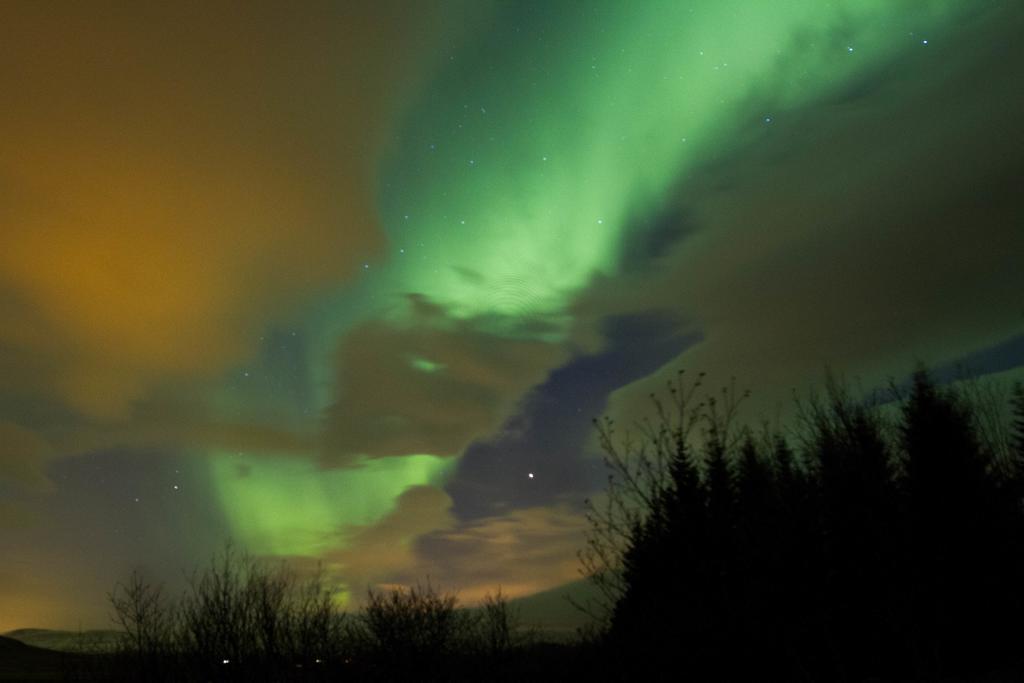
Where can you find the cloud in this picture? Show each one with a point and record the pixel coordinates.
(376, 553)
(176, 177)
(857, 233)
(430, 386)
(15, 515)
(523, 552)
(23, 456)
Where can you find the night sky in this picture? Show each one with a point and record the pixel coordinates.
(347, 283)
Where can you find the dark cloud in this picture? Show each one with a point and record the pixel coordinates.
(549, 434)
(997, 358)
(649, 238)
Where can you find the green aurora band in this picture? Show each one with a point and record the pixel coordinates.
(518, 172)
(288, 506)
(515, 180)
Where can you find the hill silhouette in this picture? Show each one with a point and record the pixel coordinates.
(21, 662)
(65, 641)
(553, 612)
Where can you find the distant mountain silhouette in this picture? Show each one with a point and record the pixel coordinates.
(552, 612)
(64, 641)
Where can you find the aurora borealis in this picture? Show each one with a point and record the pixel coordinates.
(347, 282)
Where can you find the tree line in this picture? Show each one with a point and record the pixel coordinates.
(243, 618)
(879, 538)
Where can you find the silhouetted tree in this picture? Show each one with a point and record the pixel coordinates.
(857, 498)
(890, 544)
(948, 499)
(147, 623)
(649, 477)
(243, 619)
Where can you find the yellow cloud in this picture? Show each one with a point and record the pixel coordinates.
(176, 176)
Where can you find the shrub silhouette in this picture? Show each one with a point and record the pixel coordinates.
(882, 545)
(418, 628)
(147, 625)
(500, 626)
(239, 619)
(242, 619)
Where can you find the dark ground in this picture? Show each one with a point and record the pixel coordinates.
(21, 662)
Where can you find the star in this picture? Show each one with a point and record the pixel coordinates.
(530, 475)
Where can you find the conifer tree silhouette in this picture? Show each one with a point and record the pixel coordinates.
(949, 496)
(887, 545)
